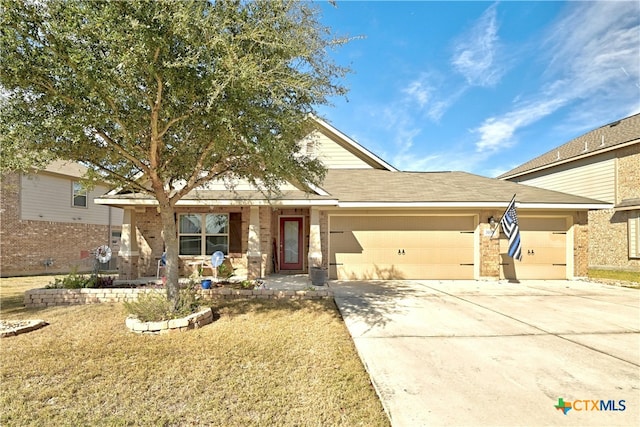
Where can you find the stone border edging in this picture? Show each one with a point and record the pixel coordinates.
(192, 321)
(34, 298)
(31, 325)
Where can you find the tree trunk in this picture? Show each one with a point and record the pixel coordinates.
(172, 247)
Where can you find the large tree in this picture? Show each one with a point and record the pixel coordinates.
(162, 96)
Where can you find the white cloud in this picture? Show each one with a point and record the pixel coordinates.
(496, 133)
(475, 55)
(419, 91)
(593, 70)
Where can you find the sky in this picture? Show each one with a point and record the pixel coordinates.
(478, 86)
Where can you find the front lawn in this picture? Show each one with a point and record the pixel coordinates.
(262, 362)
(628, 278)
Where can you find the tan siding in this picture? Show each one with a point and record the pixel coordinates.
(47, 197)
(332, 154)
(595, 180)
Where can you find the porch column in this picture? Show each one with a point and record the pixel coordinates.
(128, 254)
(254, 254)
(315, 245)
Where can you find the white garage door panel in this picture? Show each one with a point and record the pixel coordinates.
(395, 247)
(544, 255)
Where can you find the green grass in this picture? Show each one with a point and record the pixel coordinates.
(262, 362)
(618, 275)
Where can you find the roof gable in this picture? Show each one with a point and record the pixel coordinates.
(337, 151)
(605, 138)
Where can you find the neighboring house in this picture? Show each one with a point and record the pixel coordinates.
(603, 164)
(50, 224)
(367, 220)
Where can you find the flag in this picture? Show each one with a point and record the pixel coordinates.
(509, 223)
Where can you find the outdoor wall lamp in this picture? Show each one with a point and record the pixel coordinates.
(492, 222)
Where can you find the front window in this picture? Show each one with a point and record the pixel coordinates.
(79, 195)
(204, 234)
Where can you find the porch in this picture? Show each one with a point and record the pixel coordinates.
(258, 241)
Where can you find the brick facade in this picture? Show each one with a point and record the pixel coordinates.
(150, 244)
(27, 245)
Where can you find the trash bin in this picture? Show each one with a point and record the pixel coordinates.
(318, 276)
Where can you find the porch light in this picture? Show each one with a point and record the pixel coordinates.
(492, 222)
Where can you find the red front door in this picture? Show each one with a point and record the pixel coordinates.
(290, 243)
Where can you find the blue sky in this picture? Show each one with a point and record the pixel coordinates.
(481, 86)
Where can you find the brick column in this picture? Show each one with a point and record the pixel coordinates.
(490, 247)
(315, 245)
(254, 254)
(128, 254)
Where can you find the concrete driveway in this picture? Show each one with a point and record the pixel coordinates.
(467, 353)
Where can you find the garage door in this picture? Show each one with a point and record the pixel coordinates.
(401, 247)
(544, 242)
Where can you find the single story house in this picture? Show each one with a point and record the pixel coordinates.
(602, 164)
(367, 220)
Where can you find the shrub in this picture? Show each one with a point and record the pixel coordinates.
(155, 307)
(76, 281)
(225, 271)
(71, 281)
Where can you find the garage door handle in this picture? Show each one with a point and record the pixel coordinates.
(467, 264)
(564, 265)
(336, 263)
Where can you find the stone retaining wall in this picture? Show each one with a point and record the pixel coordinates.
(193, 321)
(54, 297)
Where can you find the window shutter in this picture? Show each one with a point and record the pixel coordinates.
(235, 233)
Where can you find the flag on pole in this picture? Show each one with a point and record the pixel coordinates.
(509, 223)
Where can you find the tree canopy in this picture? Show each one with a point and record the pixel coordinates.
(175, 90)
(149, 94)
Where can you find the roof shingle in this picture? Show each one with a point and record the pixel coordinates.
(591, 143)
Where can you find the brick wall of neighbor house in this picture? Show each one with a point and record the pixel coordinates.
(25, 245)
(610, 225)
(628, 173)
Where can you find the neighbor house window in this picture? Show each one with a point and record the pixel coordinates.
(79, 196)
(634, 235)
(204, 234)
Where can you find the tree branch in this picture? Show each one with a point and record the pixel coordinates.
(122, 151)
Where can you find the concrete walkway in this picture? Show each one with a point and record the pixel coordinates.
(467, 353)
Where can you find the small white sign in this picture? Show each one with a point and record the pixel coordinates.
(488, 233)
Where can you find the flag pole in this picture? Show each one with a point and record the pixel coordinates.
(499, 224)
(499, 221)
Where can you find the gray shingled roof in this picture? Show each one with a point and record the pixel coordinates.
(382, 186)
(372, 185)
(591, 143)
(238, 196)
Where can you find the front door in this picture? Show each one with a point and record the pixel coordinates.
(290, 243)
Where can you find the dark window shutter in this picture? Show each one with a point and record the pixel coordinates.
(235, 232)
